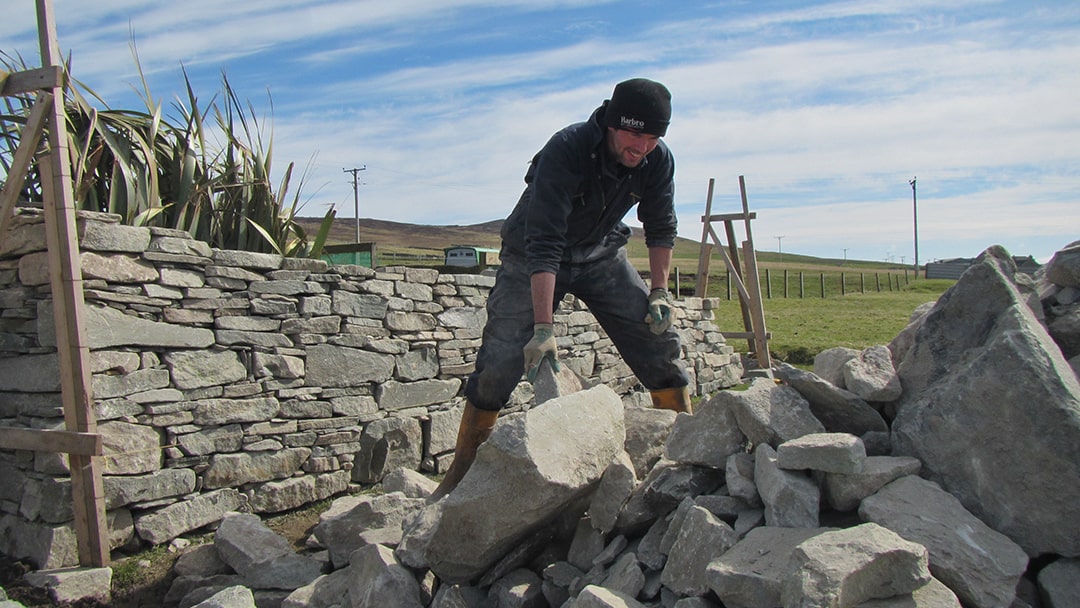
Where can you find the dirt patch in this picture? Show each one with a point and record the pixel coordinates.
(141, 580)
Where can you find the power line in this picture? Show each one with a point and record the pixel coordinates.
(356, 195)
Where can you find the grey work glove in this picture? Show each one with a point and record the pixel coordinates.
(661, 311)
(542, 346)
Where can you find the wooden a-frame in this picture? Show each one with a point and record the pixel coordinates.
(747, 284)
(80, 440)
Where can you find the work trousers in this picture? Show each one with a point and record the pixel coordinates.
(614, 293)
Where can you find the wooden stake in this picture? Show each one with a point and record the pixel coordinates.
(73, 352)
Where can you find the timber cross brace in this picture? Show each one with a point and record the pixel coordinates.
(80, 441)
(747, 283)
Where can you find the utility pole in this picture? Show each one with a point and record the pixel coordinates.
(915, 215)
(779, 247)
(845, 254)
(356, 195)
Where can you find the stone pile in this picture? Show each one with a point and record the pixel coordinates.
(229, 380)
(942, 470)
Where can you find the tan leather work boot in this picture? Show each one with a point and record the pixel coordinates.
(476, 427)
(675, 399)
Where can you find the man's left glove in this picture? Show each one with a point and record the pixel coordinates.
(661, 311)
(542, 346)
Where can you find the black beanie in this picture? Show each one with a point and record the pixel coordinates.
(639, 104)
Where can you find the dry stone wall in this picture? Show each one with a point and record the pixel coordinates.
(228, 380)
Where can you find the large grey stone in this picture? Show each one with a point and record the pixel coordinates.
(30, 374)
(71, 585)
(191, 369)
(827, 452)
(247, 259)
(180, 245)
(359, 305)
(768, 413)
(340, 366)
(707, 437)
(169, 522)
(215, 412)
(295, 492)
(992, 410)
(109, 386)
(122, 490)
(751, 574)
(872, 375)
(839, 410)
(44, 546)
(236, 596)
(700, 539)
(263, 557)
(791, 499)
(394, 395)
(848, 567)
(611, 494)
(1059, 583)
(227, 438)
(130, 449)
(980, 565)
(339, 530)
(378, 579)
(647, 430)
(595, 596)
(829, 364)
(531, 468)
(98, 236)
(235, 470)
(844, 491)
(417, 364)
(387, 444)
(327, 591)
(1064, 266)
(25, 234)
(107, 327)
(117, 268)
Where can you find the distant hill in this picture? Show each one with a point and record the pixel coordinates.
(428, 238)
(394, 235)
(397, 235)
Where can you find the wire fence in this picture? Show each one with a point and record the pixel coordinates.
(798, 284)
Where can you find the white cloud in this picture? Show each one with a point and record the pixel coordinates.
(828, 108)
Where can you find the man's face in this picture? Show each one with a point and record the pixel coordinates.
(630, 147)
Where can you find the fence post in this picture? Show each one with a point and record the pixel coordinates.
(768, 284)
(823, 286)
(843, 284)
(728, 284)
(785, 283)
(802, 286)
(862, 282)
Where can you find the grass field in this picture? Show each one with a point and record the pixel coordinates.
(801, 328)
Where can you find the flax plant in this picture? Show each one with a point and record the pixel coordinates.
(155, 171)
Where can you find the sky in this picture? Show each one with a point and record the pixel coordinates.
(829, 110)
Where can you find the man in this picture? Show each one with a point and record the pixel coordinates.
(566, 236)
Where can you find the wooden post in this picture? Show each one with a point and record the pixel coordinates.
(706, 247)
(748, 282)
(65, 277)
(757, 313)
